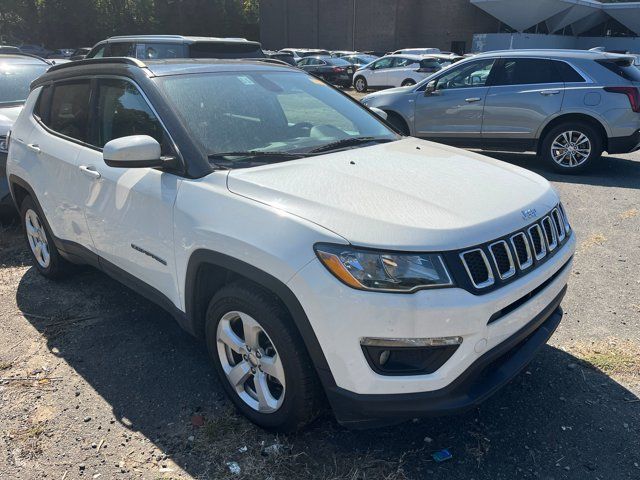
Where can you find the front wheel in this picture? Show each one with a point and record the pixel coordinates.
(360, 84)
(572, 147)
(260, 358)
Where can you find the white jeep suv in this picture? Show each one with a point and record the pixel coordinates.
(311, 246)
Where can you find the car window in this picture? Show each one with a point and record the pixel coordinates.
(472, 74)
(15, 80)
(526, 71)
(69, 111)
(400, 62)
(150, 51)
(98, 52)
(340, 62)
(123, 111)
(225, 50)
(383, 63)
(567, 72)
(622, 68)
(121, 49)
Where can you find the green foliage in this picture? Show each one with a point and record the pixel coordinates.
(79, 23)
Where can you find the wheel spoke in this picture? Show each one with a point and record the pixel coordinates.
(227, 336)
(272, 366)
(251, 330)
(31, 230)
(239, 374)
(266, 401)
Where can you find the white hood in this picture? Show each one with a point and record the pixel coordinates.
(8, 116)
(405, 195)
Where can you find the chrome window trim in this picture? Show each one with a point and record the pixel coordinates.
(490, 279)
(560, 230)
(543, 243)
(512, 265)
(554, 243)
(529, 262)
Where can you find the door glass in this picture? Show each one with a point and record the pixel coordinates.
(69, 113)
(121, 49)
(99, 53)
(150, 51)
(472, 74)
(526, 71)
(123, 111)
(402, 62)
(383, 63)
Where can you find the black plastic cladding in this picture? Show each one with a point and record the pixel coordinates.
(461, 278)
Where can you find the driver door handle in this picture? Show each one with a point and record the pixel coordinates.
(472, 99)
(90, 171)
(549, 92)
(34, 147)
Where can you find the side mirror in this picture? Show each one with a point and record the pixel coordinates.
(430, 89)
(135, 151)
(381, 113)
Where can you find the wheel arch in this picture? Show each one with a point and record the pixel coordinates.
(575, 117)
(208, 271)
(393, 113)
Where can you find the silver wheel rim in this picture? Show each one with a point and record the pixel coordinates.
(37, 238)
(359, 84)
(251, 362)
(570, 149)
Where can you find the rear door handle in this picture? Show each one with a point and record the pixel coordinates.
(549, 92)
(33, 147)
(472, 99)
(90, 171)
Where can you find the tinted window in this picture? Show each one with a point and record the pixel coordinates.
(149, 51)
(403, 62)
(383, 63)
(121, 49)
(123, 111)
(471, 74)
(15, 80)
(622, 68)
(69, 113)
(225, 50)
(525, 71)
(339, 61)
(98, 52)
(568, 73)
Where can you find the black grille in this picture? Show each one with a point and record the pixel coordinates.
(477, 267)
(549, 233)
(537, 241)
(503, 259)
(520, 245)
(558, 223)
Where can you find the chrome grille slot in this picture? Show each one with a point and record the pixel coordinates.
(550, 233)
(477, 266)
(559, 224)
(537, 241)
(565, 219)
(523, 251)
(502, 259)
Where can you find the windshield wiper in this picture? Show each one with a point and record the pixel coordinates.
(257, 153)
(251, 158)
(348, 142)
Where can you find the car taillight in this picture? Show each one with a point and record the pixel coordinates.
(338, 69)
(632, 94)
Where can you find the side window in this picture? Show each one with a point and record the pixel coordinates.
(402, 62)
(121, 49)
(123, 111)
(150, 51)
(41, 108)
(472, 74)
(303, 62)
(383, 63)
(69, 113)
(97, 52)
(568, 73)
(526, 71)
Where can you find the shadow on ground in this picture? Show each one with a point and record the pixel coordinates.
(556, 420)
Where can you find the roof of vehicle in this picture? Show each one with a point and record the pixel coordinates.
(23, 58)
(181, 38)
(553, 53)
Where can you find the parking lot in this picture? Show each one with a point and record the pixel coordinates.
(97, 382)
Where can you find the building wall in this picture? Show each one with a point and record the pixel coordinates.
(507, 41)
(380, 24)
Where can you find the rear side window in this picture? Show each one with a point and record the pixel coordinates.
(622, 68)
(225, 50)
(121, 49)
(150, 51)
(123, 111)
(526, 71)
(69, 112)
(568, 73)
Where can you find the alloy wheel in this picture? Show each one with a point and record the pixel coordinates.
(250, 362)
(359, 85)
(570, 149)
(37, 238)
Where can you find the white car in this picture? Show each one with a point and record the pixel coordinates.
(397, 71)
(311, 251)
(416, 51)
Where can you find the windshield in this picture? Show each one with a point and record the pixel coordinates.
(15, 80)
(284, 112)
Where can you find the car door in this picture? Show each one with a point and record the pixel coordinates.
(129, 211)
(453, 111)
(402, 68)
(60, 132)
(378, 72)
(524, 93)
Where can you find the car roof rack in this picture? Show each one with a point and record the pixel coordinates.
(99, 61)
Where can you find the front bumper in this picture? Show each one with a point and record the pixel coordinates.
(627, 144)
(6, 202)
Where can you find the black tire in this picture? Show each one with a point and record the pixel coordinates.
(57, 266)
(360, 84)
(408, 82)
(398, 122)
(595, 144)
(302, 396)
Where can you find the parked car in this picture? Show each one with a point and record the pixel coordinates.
(80, 53)
(333, 70)
(282, 56)
(17, 71)
(145, 47)
(4, 49)
(416, 51)
(359, 60)
(567, 105)
(343, 53)
(309, 245)
(396, 71)
(35, 50)
(299, 53)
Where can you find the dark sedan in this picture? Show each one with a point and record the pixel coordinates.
(335, 71)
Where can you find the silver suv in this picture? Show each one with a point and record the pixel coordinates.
(567, 105)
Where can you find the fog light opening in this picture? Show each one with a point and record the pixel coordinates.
(384, 356)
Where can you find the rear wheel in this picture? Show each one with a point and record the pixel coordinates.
(572, 147)
(360, 84)
(260, 358)
(408, 82)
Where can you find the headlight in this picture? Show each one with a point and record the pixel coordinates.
(386, 271)
(4, 145)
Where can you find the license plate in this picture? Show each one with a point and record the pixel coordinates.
(349, 70)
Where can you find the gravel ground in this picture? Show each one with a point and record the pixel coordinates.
(96, 382)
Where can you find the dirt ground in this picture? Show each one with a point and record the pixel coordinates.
(96, 382)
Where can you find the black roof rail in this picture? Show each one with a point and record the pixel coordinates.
(99, 61)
